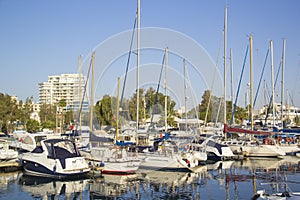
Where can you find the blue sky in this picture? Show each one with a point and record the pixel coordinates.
(42, 38)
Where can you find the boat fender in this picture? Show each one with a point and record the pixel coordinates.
(102, 164)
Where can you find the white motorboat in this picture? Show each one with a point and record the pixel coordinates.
(214, 149)
(55, 158)
(6, 154)
(198, 152)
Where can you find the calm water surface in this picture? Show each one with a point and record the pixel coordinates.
(221, 180)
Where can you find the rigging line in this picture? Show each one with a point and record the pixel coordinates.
(127, 66)
(292, 100)
(268, 91)
(262, 73)
(157, 89)
(84, 93)
(270, 102)
(239, 85)
(212, 84)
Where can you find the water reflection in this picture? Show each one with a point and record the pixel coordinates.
(44, 188)
(110, 186)
(220, 180)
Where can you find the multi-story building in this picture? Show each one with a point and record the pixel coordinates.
(289, 113)
(68, 87)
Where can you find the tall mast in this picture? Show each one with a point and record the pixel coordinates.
(272, 74)
(137, 69)
(282, 79)
(225, 34)
(117, 111)
(251, 82)
(92, 92)
(79, 87)
(185, 97)
(166, 91)
(265, 96)
(231, 84)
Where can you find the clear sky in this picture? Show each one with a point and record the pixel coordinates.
(42, 38)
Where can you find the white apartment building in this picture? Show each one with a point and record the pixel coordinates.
(288, 111)
(65, 86)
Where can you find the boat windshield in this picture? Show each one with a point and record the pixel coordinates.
(61, 149)
(69, 146)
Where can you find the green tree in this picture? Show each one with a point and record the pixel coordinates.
(152, 103)
(69, 117)
(48, 116)
(202, 107)
(9, 112)
(32, 126)
(25, 109)
(103, 110)
(62, 103)
(133, 103)
(49, 124)
(240, 114)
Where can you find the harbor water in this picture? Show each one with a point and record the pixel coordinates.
(220, 180)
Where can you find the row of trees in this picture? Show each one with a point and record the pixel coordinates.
(16, 115)
(211, 106)
(153, 103)
(150, 102)
(52, 116)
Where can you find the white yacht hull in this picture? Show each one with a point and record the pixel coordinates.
(263, 150)
(115, 160)
(162, 162)
(34, 166)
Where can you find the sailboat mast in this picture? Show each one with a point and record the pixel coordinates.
(282, 79)
(251, 81)
(137, 69)
(225, 35)
(231, 84)
(79, 87)
(92, 92)
(265, 96)
(272, 74)
(117, 111)
(185, 97)
(166, 91)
